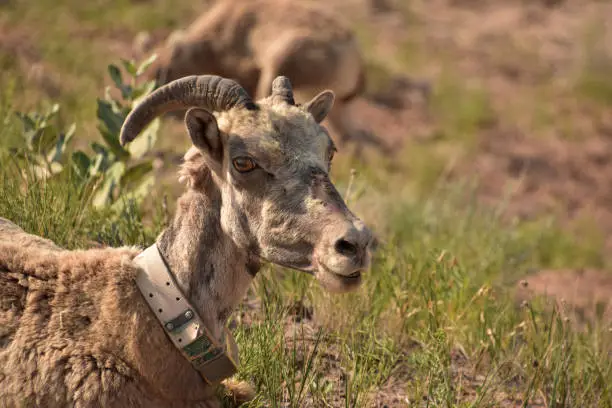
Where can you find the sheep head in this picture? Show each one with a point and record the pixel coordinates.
(270, 161)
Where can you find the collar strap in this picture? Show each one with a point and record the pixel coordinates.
(215, 360)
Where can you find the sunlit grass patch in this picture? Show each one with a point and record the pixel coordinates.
(437, 308)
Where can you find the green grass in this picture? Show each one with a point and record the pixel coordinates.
(593, 82)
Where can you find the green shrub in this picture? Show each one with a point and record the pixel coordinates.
(114, 174)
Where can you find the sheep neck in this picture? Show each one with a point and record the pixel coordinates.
(208, 266)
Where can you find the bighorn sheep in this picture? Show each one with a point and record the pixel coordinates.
(253, 41)
(79, 328)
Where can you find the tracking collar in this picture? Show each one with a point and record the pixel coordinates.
(215, 360)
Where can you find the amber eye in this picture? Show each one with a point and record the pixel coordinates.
(244, 164)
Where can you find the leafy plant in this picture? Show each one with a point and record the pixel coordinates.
(45, 140)
(115, 174)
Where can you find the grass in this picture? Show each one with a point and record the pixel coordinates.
(593, 82)
(436, 323)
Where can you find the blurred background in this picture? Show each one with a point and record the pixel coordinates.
(491, 184)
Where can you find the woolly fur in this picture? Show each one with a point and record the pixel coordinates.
(75, 331)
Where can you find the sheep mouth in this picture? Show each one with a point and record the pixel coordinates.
(305, 267)
(353, 275)
(319, 270)
(352, 278)
(348, 280)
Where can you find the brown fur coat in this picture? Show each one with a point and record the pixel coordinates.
(75, 331)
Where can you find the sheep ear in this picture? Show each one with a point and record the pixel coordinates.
(320, 105)
(204, 132)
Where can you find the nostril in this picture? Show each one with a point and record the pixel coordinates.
(346, 248)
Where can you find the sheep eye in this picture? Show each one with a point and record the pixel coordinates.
(244, 164)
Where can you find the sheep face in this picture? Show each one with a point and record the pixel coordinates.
(270, 162)
(272, 166)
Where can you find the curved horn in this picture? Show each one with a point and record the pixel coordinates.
(282, 90)
(210, 92)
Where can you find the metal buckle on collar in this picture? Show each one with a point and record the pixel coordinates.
(215, 361)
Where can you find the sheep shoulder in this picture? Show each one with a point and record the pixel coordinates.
(61, 316)
(76, 331)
